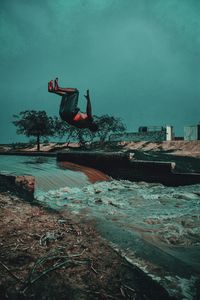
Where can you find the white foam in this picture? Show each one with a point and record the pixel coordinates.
(165, 216)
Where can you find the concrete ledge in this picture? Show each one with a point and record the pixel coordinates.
(119, 165)
(22, 186)
(28, 153)
(153, 165)
(93, 158)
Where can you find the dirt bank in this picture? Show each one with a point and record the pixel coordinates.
(54, 255)
(182, 148)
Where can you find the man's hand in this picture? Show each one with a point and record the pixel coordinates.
(87, 96)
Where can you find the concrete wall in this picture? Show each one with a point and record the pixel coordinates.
(120, 165)
(152, 136)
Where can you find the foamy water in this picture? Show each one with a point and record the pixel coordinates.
(170, 214)
(148, 221)
(157, 227)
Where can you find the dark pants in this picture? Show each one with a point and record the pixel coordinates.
(68, 106)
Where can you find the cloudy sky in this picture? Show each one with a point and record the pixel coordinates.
(139, 58)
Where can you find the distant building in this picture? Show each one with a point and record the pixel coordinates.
(192, 132)
(146, 133)
(151, 129)
(169, 133)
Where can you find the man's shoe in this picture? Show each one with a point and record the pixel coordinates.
(56, 84)
(50, 86)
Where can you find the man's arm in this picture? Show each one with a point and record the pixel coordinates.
(88, 107)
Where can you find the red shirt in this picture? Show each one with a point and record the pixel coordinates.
(80, 117)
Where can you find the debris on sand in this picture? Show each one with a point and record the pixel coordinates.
(55, 255)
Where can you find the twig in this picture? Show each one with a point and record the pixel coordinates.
(93, 269)
(54, 267)
(14, 249)
(79, 254)
(129, 288)
(33, 245)
(8, 270)
(49, 270)
(122, 292)
(24, 249)
(67, 259)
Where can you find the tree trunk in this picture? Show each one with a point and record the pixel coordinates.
(70, 134)
(38, 143)
(81, 138)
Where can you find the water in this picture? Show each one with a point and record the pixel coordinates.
(157, 227)
(48, 174)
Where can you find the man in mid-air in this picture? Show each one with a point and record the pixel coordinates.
(69, 111)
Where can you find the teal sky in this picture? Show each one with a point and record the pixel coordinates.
(139, 58)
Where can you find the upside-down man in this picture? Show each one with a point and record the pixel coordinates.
(69, 111)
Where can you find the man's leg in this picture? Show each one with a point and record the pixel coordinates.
(51, 89)
(59, 93)
(68, 105)
(59, 89)
(65, 90)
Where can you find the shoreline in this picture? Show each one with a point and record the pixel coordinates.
(174, 148)
(47, 254)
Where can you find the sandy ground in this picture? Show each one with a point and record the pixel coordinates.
(47, 147)
(182, 148)
(47, 255)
